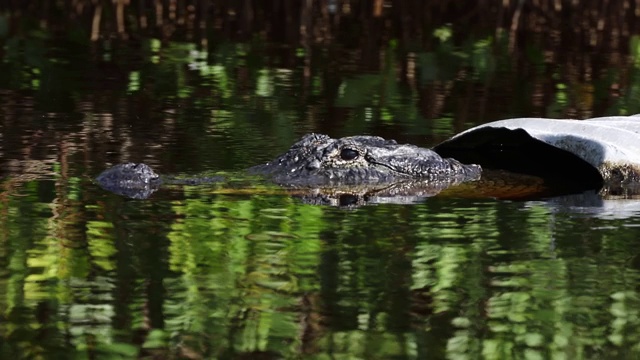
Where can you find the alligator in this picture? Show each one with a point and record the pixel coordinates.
(321, 165)
(568, 156)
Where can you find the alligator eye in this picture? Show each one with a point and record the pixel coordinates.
(349, 154)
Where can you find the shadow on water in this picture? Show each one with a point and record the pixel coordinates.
(518, 152)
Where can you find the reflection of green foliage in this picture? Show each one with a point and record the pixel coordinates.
(364, 89)
(447, 59)
(483, 60)
(240, 246)
(634, 49)
(443, 33)
(366, 92)
(629, 102)
(217, 275)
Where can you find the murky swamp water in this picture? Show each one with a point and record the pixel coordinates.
(204, 272)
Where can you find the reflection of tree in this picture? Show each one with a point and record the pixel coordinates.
(592, 23)
(205, 275)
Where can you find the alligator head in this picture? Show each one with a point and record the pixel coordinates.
(319, 160)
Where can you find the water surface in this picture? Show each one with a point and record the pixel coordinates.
(202, 272)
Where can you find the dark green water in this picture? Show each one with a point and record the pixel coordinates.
(201, 273)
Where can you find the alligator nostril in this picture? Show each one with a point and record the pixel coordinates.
(349, 154)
